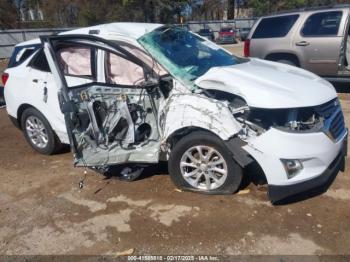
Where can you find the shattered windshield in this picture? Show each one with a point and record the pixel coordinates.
(184, 54)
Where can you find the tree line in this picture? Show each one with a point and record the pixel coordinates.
(75, 13)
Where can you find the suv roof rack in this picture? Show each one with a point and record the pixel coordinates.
(305, 9)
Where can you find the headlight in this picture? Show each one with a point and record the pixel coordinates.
(290, 120)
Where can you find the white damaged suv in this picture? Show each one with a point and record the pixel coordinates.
(142, 93)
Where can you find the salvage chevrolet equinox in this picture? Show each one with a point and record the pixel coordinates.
(142, 93)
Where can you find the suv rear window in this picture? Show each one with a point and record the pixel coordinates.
(273, 27)
(21, 53)
(322, 24)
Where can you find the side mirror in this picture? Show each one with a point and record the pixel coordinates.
(149, 82)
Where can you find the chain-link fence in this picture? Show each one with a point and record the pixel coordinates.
(10, 38)
(215, 26)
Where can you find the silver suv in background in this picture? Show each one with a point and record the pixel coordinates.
(314, 39)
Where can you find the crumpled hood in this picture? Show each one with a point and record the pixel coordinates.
(266, 84)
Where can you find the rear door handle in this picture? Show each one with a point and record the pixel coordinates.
(35, 80)
(302, 43)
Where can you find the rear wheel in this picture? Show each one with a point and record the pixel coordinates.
(39, 133)
(201, 162)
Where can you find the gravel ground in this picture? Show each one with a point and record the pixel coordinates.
(236, 49)
(43, 211)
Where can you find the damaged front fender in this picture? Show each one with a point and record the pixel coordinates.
(197, 111)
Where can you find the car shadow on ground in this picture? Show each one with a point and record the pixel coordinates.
(133, 171)
(253, 175)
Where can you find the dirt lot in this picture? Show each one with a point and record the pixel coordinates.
(236, 49)
(42, 211)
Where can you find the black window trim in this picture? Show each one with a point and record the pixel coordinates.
(311, 36)
(105, 68)
(36, 54)
(92, 41)
(93, 63)
(12, 63)
(279, 16)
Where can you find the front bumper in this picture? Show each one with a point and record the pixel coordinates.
(277, 193)
(321, 157)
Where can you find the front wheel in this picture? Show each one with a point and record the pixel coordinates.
(201, 162)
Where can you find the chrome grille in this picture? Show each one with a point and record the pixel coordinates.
(334, 124)
(337, 126)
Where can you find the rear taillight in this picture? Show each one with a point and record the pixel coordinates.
(4, 78)
(247, 48)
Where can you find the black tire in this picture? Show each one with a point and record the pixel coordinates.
(2, 98)
(53, 144)
(234, 171)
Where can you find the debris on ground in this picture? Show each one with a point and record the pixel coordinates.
(243, 192)
(128, 252)
(129, 174)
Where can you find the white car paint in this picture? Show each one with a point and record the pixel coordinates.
(315, 150)
(204, 113)
(262, 84)
(21, 90)
(266, 84)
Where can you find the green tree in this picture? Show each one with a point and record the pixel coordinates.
(164, 11)
(263, 7)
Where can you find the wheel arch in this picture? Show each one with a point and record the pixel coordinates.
(24, 107)
(234, 145)
(283, 56)
(175, 136)
(193, 111)
(20, 111)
